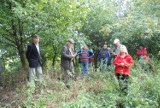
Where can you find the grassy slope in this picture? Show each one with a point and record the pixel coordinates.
(96, 90)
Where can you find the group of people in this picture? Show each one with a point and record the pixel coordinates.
(67, 59)
(121, 59)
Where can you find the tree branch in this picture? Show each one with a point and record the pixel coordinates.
(7, 30)
(3, 35)
(1, 41)
(34, 33)
(39, 29)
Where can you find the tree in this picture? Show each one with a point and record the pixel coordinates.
(98, 25)
(19, 20)
(54, 21)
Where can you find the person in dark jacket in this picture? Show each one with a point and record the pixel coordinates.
(105, 58)
(67, 61)
(34, 59)
(85, 54)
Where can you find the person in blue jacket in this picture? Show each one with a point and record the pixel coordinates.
(105, 58)
(84, 55)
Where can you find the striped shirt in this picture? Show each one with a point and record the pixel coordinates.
(84, 56)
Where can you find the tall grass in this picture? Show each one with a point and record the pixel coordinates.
(95, 90)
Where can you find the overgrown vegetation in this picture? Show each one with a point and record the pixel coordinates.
(96, 90)
(93, 22)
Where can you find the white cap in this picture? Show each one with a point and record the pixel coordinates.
(71, 41)
(116, 41)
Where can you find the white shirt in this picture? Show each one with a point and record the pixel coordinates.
(37, 46)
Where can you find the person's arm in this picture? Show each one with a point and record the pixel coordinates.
(117, 62)
(65, 55)
(79, 53)
(114, 52)
(144, 51)
(129, 62)
(108, 55)
(74, 52)
(91, 54)
(139, 52)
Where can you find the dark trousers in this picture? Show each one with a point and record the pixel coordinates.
(68, 74)
(123, 82)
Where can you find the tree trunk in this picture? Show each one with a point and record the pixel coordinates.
(18, 35)
(21, 53)
(96, 59)
(55, 55)
(54, 59)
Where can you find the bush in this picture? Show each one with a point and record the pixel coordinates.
(95, 90)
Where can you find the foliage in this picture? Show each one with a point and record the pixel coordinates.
(92, 22)
(94, 90)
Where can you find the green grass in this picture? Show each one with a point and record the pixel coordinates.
(96, 90)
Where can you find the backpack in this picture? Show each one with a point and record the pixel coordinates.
(91, 59)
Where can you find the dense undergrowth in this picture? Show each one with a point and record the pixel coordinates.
(96, 90)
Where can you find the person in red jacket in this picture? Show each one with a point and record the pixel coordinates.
(141, 52)
(123, 62)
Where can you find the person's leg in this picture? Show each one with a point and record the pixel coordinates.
(101, 65)
(109, 65)
(120, 81)
(39, 73)
(117, 76)
(32, 74)
(125, 83)
(66, 76)
(105, 64)
(83, 68)
(86, 67)
(73, 76)
(90, 68)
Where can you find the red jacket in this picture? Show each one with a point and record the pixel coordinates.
(127, 60)
(141, 52)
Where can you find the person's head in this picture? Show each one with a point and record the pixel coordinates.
(140, 46)
(36, 39)
(85, 46)
(116, 42)
(123, 49)
(105, 46)
(70, 42)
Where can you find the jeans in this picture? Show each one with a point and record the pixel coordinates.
(35, 72)
(90, 67)
(84, 67)
(103, 64)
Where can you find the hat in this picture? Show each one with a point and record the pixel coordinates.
(116, 41)
(71, 41)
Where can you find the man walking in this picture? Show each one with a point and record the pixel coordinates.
(85, 54)
(67, 60)
(105, 58)
(34, 60)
